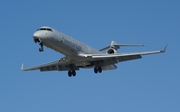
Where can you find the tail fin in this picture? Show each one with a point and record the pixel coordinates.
(113, 43)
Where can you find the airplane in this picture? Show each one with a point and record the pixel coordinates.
(79, 55)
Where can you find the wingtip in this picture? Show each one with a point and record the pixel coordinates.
(22, 66)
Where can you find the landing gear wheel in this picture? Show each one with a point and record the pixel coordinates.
(41, 50)
(71, 73)
(97, 69)
(74, 73)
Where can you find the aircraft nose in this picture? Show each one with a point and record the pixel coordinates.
(37, 35)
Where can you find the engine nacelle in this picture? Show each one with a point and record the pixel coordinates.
(111, 51)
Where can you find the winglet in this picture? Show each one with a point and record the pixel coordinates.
(22, 66)
(164, 50)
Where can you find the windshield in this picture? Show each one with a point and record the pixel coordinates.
(48, 29)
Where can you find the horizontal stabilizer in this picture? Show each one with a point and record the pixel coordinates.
(119, 45)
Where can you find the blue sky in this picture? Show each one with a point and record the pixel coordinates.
(150, 84)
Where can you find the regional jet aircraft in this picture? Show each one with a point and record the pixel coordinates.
(79, 55)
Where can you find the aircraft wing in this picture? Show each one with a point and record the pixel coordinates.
(126, 56)
(61, 65)
(64, 64)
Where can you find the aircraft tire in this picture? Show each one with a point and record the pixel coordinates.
(73, 73)
(99, 69)
(95, 70)
(40, 50)
(69, 73)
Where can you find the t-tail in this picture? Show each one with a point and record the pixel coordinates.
(113, 47)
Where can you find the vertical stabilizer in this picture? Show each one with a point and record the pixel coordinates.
(114, 45)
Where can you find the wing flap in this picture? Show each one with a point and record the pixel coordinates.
(48, 68)
(39, 67)
(60, 65)
(57, 67)
(126, 58)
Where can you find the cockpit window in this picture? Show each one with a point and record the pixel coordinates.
(48, 29)
(43, 29)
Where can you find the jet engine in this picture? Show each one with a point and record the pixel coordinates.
(111, 51)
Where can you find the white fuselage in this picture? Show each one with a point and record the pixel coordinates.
(71, 48)
(64, 44)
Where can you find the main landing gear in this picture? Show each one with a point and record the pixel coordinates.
(97, 69)
(71, 73)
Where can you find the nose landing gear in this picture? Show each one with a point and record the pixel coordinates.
(41, 49)
(36, 40)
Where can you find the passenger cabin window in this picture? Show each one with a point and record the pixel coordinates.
(48, 29)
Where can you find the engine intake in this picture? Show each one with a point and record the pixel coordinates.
(111, 51)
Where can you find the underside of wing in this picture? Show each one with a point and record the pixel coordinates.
(61, 65)
(118, 57)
